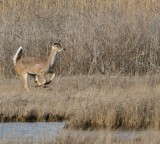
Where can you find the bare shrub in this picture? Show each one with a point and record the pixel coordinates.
(120, 37)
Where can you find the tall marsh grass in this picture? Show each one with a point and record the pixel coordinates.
(86, 102)
(101, 36)
(111, 137)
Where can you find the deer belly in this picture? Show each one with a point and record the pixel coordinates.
(36, 69)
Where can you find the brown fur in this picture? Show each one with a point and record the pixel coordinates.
(38, 66)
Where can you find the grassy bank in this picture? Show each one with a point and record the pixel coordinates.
(85, 102)
(104, 137)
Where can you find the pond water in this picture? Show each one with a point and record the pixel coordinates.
(38, 131)
(45, 132)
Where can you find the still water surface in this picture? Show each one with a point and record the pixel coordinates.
(38, 131)
(42, 132)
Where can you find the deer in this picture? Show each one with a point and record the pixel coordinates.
(39, 67)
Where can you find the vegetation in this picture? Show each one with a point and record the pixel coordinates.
(90, 137)
(93, 102)
(104, 36)
(116, 38)
(90, 103)
(111, 137)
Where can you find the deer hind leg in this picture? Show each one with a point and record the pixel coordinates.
(24, 80)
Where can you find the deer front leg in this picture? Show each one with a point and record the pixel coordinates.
(44, 79)
(44, 82)
(36, 80)
(48, 82)
(53, 76)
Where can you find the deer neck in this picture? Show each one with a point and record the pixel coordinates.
(52, 57)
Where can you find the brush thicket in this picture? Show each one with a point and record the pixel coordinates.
(108, 37)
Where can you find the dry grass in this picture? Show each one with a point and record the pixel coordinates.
(86, 102)
(112, 37)
(101, 36)
(96, 137)
(105, 137)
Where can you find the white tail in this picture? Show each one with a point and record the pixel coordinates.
(17, 55)
(37, 66)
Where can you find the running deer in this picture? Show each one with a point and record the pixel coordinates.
(37, 66)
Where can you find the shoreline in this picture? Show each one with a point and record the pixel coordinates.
(86, 102)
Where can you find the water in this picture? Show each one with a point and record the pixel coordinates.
(38, 131)
(42, 132)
